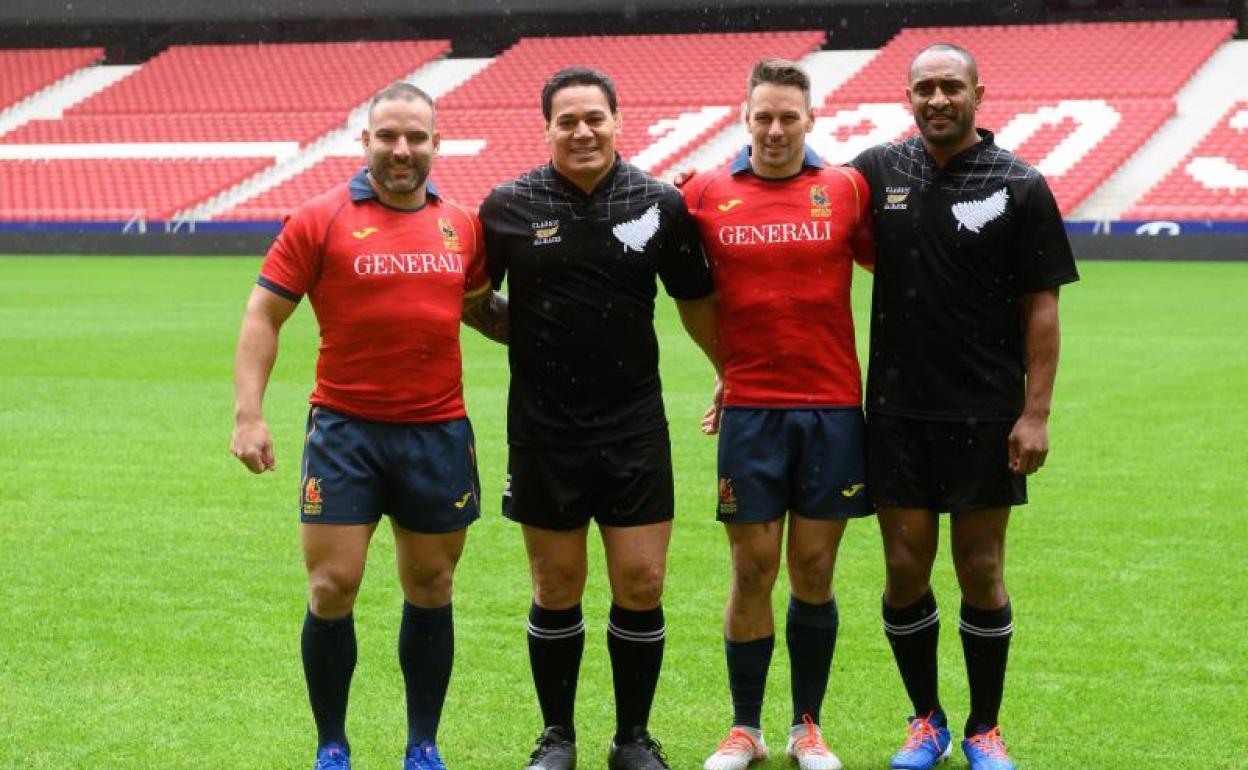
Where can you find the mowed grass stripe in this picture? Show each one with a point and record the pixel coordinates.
(153, 590)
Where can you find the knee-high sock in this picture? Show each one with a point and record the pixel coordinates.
(556, 643)
(426, 654)
(635, 641)
(329, 655)
(810, 631)
(914, 633)
(986, 645)
(747, 678)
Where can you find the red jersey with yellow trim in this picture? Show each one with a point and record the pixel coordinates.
(387, 287)
(782, 253)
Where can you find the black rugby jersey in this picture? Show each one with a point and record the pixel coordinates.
(955, 250)
(581, 286)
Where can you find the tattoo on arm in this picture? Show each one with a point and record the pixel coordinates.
(488, 315)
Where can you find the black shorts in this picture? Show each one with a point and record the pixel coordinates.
(954, 465)
(423, 475)
(623, 483)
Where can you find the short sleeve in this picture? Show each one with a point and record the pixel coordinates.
(1045, 260)
(862, 236)
(293, 263)
(476, 279)
(492, 240)
(682, 263)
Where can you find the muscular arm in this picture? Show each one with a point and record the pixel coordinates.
(701, 319)
(487, 313)
(1029, 440)
(253, 362)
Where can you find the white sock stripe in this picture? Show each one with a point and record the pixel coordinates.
(637, 636)
(557, 633)
(1005, 630)
(912, 628)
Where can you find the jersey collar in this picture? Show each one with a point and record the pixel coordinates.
(575, 189)
(741, 163)
(361, 190)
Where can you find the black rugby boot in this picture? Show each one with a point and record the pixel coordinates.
(638, 752)
(556, 750)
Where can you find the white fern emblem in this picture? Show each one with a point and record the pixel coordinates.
(973, 215)
(636, 233)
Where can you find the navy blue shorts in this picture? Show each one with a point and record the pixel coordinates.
(941, 465)
(423, 475)
(622, 483)
(808, 461)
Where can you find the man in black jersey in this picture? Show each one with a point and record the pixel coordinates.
(970, 252)
(581, 240)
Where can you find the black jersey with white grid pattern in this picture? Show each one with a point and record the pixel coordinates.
(956, 248)
(580, 272)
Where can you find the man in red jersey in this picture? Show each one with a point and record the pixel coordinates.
(389, 267)
(782, 232)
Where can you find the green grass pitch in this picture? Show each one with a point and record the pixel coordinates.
(151, 590)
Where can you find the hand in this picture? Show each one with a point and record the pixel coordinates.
(1029, 444)
(253, 446)
(710, 420)
(684, 176)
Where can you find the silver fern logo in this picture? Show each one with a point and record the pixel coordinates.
(973, 215)
(636, 233)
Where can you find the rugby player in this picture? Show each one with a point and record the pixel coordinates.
(970, 251)
(388, 267)
(782, 232)
(580, 241)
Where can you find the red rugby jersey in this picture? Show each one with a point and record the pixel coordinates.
(782, 254)
(387, 287)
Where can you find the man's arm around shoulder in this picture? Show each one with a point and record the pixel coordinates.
(486, 312)
(266, 311)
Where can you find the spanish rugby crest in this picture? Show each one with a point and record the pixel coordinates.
(820, 206)
(450, 238)
(312, 500)
(727, 498)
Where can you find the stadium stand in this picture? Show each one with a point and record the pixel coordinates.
(23, 72)
(1211, 182)
(1078, 115)
(114, 189)
(207, 127)
(647, 69)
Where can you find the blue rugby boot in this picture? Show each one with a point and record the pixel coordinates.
(985, 751)
(927, 744)
(332, 756)
(423, 756)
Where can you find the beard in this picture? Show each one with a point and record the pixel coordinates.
(381, 170)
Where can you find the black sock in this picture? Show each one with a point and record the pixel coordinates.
(747, 678)
(635, 642)
(986, 645)
(329, 654)
(556, 642)
(426, 652)
(914, 633)
(810, 631)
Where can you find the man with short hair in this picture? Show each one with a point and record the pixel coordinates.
(970, 253)
(389, 268)
(580, 241)
(782, 233)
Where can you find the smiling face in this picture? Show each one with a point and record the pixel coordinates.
(944, 95)
(581, 134)
(778, 119)
(399, 144)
